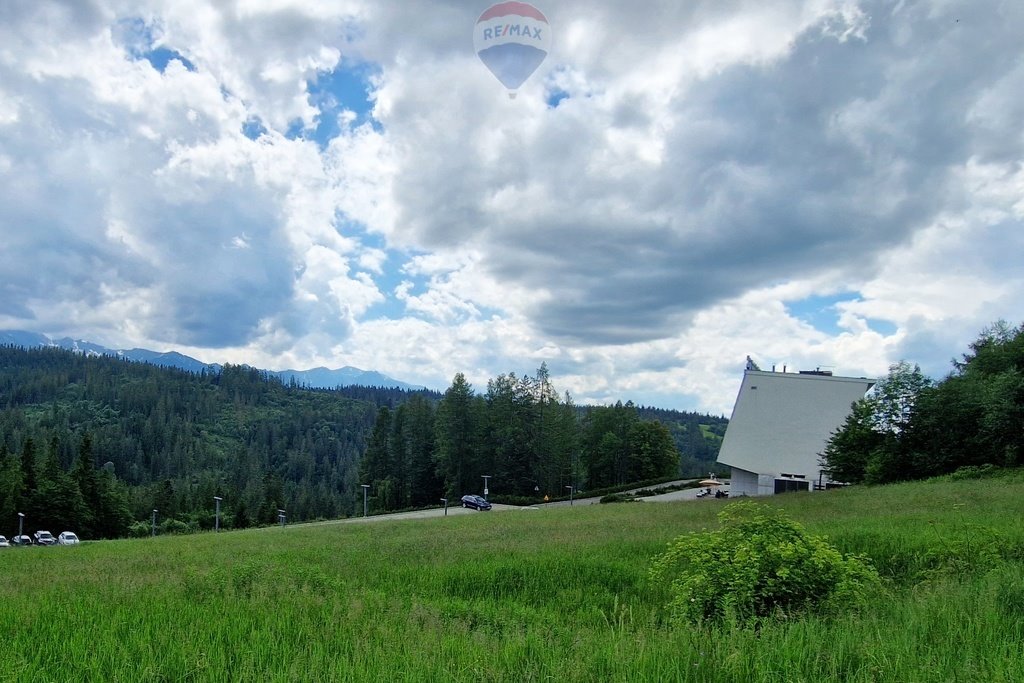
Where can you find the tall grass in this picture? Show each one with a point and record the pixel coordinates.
(558, 594)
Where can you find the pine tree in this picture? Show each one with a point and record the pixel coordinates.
(59, 503)
(85, 476)
(29, 491)
(424, 485)
(459, 441)
(10, 486)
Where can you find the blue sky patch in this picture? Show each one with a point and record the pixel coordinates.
(820, 312)
(882, 327)
(392, 274)
(253, 128)
(346, 88)
(162, 56)
(554, 96)
(141, 41)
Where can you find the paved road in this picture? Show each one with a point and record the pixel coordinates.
(418, 514)
(674, 496)
(685, 494)
(671, 497)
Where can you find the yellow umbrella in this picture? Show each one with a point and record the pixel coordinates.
(710, 482)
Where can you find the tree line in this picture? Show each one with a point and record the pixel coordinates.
(911, 427)
(526, 439)
(170, 440)
(95, 444)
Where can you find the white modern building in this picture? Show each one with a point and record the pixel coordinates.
(780, 424)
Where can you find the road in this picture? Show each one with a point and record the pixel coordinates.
(671, 497)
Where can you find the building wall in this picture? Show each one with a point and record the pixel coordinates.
(779, 425)
(742, 483)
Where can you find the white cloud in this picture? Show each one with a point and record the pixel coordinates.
(712, 165)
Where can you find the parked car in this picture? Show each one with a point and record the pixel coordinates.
(44, 538)
(4, 543)
(475, 502)
(67, 538)
(21, 540)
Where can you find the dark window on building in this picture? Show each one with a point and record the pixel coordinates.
(788, 486)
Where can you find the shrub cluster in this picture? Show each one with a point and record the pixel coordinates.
(759, 565)
(617, 498)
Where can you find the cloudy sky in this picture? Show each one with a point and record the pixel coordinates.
(294, 183)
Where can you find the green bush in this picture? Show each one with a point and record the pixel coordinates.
(972, 472)
(617, 498)
(140, 529)
(759, 565)
(175, 526)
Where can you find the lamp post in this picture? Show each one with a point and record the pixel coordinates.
(366, 487)
(445, 501)
(486, 477)
(216, 515)
(154, 522)
(21, 524)
(281, 516)
(571, 488)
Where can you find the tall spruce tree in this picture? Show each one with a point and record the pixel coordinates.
(459, 442)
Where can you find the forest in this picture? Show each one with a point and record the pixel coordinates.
(96, 444)
(911, 427)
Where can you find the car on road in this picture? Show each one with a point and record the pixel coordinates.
(4, 543)
(21, 540)
(475, 502)
(44, 538)
(67, 538)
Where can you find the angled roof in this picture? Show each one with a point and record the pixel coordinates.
(782, 421)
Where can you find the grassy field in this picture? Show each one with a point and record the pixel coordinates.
(557, 594)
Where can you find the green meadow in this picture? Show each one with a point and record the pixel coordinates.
(558, 594)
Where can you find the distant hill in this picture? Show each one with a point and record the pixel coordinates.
(174, 439)
(317, 378)
(325, 378)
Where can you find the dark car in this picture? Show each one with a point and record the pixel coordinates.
(21, 540)
(44, 538)
(475, 502)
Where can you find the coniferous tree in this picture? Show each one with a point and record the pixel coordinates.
(511, 412)
(59, 503)
(86, 478)
(911, 428)
(459, 441)
(10, 486)
(425, 487)
(652, 453)
(374, 466)
(29, 492)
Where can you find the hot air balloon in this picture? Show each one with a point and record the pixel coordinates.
(512, 39)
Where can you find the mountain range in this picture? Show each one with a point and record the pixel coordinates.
(319, 378)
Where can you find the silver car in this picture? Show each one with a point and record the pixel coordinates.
(44, 538)
(67, 538)
(4, 543)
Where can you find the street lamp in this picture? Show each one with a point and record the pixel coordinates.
(216, 518)
(154, 522)
(281, 517)
(445, 501)
(366, 487)
(486, 477)
(21, 524)
(570, 493)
